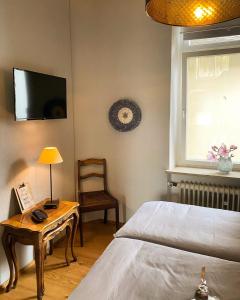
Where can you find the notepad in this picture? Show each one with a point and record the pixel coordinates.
(24, 197)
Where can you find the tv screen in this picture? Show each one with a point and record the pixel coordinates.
(39, 96)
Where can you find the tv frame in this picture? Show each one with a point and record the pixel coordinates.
(14, 92)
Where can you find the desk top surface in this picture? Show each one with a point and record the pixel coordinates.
(24, 221)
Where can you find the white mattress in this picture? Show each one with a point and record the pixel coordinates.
(137, 270)
(207, 231)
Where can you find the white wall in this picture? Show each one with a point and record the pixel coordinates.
(117, 52)
(33, 35)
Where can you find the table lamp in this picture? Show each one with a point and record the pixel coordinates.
(50, 156)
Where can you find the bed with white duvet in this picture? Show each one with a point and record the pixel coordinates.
(209, 231)
(158, 254)
(137, 270)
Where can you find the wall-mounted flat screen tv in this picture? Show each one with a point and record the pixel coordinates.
(39, 96)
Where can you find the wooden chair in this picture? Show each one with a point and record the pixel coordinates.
(95, 200)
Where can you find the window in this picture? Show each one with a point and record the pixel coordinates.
(212, 103)
(208, 97)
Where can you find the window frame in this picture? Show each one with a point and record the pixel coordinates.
(179, 104)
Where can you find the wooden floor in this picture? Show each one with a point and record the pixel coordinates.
(59, 279)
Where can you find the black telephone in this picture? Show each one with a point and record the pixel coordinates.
(38, 216)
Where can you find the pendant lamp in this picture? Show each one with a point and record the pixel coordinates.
(192, 12)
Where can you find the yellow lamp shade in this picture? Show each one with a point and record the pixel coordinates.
(50, 156)
(192, 12)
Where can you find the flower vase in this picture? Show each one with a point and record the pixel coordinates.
(225, 165)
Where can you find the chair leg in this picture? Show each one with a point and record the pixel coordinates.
(105, 216)
(81, 229)
(117, 217)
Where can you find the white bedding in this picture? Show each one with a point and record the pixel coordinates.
(208, 231)
(137, 270)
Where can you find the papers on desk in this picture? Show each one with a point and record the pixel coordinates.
(24, 197)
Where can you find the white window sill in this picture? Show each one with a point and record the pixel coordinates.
(203, 172)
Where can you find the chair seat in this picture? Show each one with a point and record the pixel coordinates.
(98, 200)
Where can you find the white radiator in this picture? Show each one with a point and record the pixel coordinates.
(209, 195)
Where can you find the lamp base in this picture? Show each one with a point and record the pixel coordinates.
(51, 204)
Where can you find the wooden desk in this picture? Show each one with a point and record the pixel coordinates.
(22, 229)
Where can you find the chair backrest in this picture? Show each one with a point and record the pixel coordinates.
(92, 162)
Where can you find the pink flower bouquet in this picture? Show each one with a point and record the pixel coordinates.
(221, 152)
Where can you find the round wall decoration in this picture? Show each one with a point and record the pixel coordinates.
(125, 115)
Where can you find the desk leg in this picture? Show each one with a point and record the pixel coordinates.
(68, 236)
(44, 249)
(15, 263)
(7, 244)
(51, 247)
(39, 261)
(74, 231)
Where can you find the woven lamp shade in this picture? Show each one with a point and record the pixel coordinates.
(192, 12)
